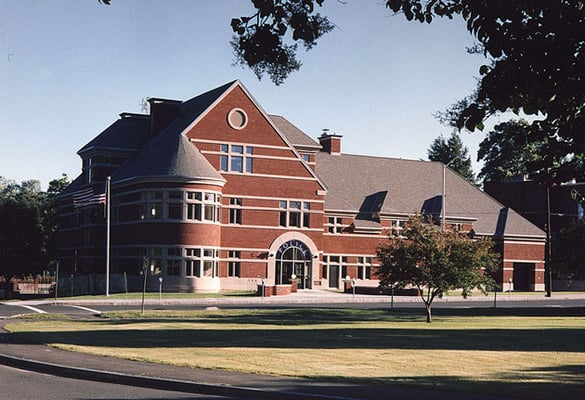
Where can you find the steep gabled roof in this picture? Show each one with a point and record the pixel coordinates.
(414, 186)
(298, 138)
(198, 104)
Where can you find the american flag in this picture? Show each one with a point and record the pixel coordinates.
(87, 197)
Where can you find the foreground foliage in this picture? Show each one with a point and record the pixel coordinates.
(534, 63)
(435, 261)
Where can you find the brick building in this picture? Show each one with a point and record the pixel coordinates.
(555, 205)
(215, 194)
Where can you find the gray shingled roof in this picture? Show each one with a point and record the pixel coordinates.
(130, 132)
(414, 186)
(294, 135)
(170, 154)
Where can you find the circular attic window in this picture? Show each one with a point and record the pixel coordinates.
(237, 118)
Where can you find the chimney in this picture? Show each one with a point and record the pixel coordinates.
(331, 142)
(162, 113)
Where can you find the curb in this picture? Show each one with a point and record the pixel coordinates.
(158, 383)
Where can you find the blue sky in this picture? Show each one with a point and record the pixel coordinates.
(69, 67)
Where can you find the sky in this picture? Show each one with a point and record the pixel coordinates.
(68, 68)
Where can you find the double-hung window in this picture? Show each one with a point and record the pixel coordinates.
(364, 267)
(397, 227)
(334, 224)
(295, 213)
(237, 158)
(173, 261)
(203, 206)
(193, 262)
(201, 262)
(235, 210)
(234, 263)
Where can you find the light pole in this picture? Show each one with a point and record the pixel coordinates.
(160, 281)
(145, 263)
(445, 166)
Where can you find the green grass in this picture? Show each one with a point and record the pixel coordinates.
(524, 355)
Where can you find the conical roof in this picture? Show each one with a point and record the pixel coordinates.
(169, 155)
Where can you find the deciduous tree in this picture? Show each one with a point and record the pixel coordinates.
(435, 261)
(27, 226)
(534, 63)
(570, 252)
(262, 40)
(508, 151)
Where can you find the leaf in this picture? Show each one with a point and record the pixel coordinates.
(235, 23)
(394, 5)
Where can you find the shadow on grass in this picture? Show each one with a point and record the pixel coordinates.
(566, 382)
(316, 316)
(552, 339)
(284, 316)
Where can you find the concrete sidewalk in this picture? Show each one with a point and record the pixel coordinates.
(309, 297)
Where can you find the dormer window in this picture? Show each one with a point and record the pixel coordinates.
(99, 166)
(87, 171)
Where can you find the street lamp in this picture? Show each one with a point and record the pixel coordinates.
(445, 166)
(145, 263)
(160, 281)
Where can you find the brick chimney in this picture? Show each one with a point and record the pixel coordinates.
(331, 142)
(162, 113)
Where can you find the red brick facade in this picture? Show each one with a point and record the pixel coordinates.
(255, 215)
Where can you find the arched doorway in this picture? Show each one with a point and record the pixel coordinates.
(294, 260)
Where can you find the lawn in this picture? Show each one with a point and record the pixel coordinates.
(527, 355)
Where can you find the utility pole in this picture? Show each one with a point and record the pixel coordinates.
(548, 262)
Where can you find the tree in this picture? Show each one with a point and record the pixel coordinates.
(50, 225)
(452, 151)
(535, 59)
(570, 252)
(56, 186)
(261, 39)
(508, 151)
(27, 226)
(21, 233)
(534, 52)
(436, 261)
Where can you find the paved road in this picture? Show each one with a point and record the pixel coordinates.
(21, 384)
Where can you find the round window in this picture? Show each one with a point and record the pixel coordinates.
(237, 118)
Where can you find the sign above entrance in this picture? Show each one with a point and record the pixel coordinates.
(294, 243)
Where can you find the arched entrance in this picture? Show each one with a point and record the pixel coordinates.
(294, 261)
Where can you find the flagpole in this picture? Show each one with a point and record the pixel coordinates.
(108, 182)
